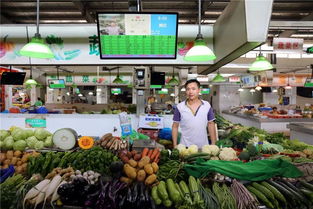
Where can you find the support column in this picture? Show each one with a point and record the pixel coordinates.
(102, 94)
(8, 97)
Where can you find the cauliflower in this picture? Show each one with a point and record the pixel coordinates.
(211, 149)
(182, 149)
(227, 154)
(192, 149)
(214, 158)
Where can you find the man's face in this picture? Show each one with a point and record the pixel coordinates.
(192, 91)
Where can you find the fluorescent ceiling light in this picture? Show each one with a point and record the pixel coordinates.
(258, 88)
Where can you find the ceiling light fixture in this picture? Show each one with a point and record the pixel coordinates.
(200, 52)
(288, 87)
(260, 63)
(118, 80)
(173, 81)
(274, 91)
(183, 89)
(31, 81)
(80, 95)
(218, 78)
(90, 93)
(36, 47)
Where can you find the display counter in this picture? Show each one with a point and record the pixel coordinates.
(270, 125)
(302, 131)
(84, 124)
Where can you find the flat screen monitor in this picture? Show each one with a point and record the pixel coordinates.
(12, 78)
(266, 89)
(131, 35)
(305, 92)
(205, 91)
(56, 83)
(116, 91)
(157, 78)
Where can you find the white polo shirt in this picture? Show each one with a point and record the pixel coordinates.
(193, 125)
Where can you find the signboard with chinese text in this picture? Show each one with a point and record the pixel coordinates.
(151, 122)
(288, 45)
(35, 122)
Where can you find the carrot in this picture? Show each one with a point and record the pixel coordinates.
(157, 160)
(150, 153)
(157, 157)
(154, 153)
(144, 152)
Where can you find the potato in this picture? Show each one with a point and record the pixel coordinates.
(19, 162)
(148, 168)
(141, 175)
(155, 167)
(19, 169)
(2, 157)
(151, 179)
(17, 153)
(132, 163)
(14, 160)
(130, 171)
(24, 166)
(126, 180)
(25, 158)
(7, 162)
(144, 161)
(9, 154)
(124, 158)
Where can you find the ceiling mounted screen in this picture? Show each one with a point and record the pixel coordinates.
(137, 35)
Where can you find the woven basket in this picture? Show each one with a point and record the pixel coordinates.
(307, 169)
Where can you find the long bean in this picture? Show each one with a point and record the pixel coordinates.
(224, 196)
(243, 197)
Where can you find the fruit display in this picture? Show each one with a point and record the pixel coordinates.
(94, 174)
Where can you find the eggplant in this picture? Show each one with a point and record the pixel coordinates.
(116, 167)
(142, 198)
(129, 195)
(135, 193)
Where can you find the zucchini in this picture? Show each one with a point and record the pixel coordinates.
(194, 189)
(193, 159)
(172, 191)
(162, 191)
(260, 196)
(263, 190)
(307, 193)
(275, 192)
(282, 189)
(196, 155)
(290, 185)
(155, 196)
(179, 190)
(307, 185)
(184, 188)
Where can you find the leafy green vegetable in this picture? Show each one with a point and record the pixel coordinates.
(39, 145)
(18, 134)
(41, 133)
(31, 142)
(8, 142)
(48, 142)
(3, 134)
(9, 188)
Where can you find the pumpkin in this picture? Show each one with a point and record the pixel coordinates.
(86, 142)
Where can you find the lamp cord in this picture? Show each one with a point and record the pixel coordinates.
(29, 59)
(37, 22)
(199, 17)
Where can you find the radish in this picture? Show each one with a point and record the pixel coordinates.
(52, 186)
(41, 196)
(35, 190)
(55, 195)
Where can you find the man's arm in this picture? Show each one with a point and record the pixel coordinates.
(212, 131)
(175, 133)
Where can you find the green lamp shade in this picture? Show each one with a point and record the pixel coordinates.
(31, 82)
(218, 78)
(260, 64)
(36, 48)
(199, 52)
(173, 81)
(117, 80)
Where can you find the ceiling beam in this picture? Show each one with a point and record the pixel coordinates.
(83, 8)
(288, 33)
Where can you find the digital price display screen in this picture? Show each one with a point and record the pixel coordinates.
(137, 35)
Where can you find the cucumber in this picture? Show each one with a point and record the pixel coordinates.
(263, 190)
(260, 196)
(295, 193)
(179, 190)
(282, 189)
(307, 185)
(290, 185)
(196, 155)
(275, 192)
(194, 189)
(193, 159)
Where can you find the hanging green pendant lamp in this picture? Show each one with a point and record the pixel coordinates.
(173, 81)
(118, 80)
(218, 78)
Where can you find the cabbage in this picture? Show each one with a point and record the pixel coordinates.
(8, 142)
(14, 128)
(31, 142)
(41, 133)
(28, 133)
(19, 135)
(3, 134)
(1, 145)
(39, 145)
(19, 145)
(48, 142)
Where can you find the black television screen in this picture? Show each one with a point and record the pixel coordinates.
(305, 92)
(90, 88)
(266, 89)
(12, 78)
(56, 83)
(157, 78)
(131, 35)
